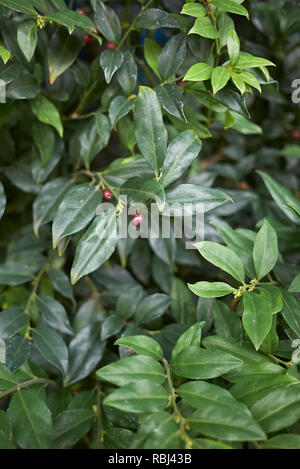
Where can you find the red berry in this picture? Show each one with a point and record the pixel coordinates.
(295, 134)
(87, 39)
(110, 45)
(107, 195)
(137, 219)
(180, 83)
(81, 12)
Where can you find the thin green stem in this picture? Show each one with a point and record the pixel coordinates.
(178, 417)
(30, 382)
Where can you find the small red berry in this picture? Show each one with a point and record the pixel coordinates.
(243, 186)
(295, 134)
(87, 39)
(107, 195)
(110, 45)
(81, 12)
(137, 219)
(180, 83)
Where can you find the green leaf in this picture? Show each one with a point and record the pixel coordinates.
(110, 62)
(142, 396)
(265, 251)
(152, 52)
(188, 199)
(196, 363)
(63, 50)
(227, 322)
(142, 345)
(291, 311)
(283, 441)
(278, 409)
(5, 432)
(246, 60)
(8, 379)
(17, 352)
(172, 56)
(204, 27)
(71, 426)
(233, 46)
(182, 304)
(155, 18)
(4, 53)
(27, 38)
(219, 78)
(291, 150)
(140, 190)
(14, 273)
(111, 326)
(11, 321)
(103, 128)
(90, 143)
(199, 72)
(181, 152)
(295, 285)
(119, 107)
(70, 19)
(44, 139)
(46, 112)
(35, 432)
(194, 9)
(282, 196)
(210, 289)
(61, 283)
(51, 347)
(54, 314)
(22, 6)
(158, 430)
(150, 132)
(107, 22)
(170, 97)
(215, 407)
(128, 301)
(222, 257)
(191, 337)
(127, 74)
(151, 307)
(48, 201)
(131, 369)
(2, 200)
(231, 6)
(76, 210)
(257, 316)
(85, 352)
(96, 246)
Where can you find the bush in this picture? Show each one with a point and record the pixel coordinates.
(149, 117)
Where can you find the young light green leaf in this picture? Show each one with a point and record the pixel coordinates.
(199, 72)
(152, 52)
(233, 46)
(194, 9)
(210, 289)
(142, 345)
(204, 27)
(219, 78)
(231, 6)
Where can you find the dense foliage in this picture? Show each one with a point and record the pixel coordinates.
(122, 110)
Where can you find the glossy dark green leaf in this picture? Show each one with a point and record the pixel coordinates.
(119, 107)
(111, 326)
(27, 38)
(76, 210)
(23, 6)
(5, 432)
(128, 301)
(31, 420)
(62, 52)
(103, 128)
(54, 314)
(172, 56)
(11, 321)
(141, 190)
(158, 431)
(51, 347)
(70, 426)
(61, 283)
(284, 441)
(85, 352)
(72, 19)
(150, 131)
(8, 379)
(227, 322)
(127, 74)
(48, 201)
(2, 200)
(15, 273)
(107, 22)
(291, 311)
(44, 139)
(155, 18)
(17, 352)
(151, 307)
(96, 246)
(110, 62)
(191, 337)
(257, 316)
(170, 97)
